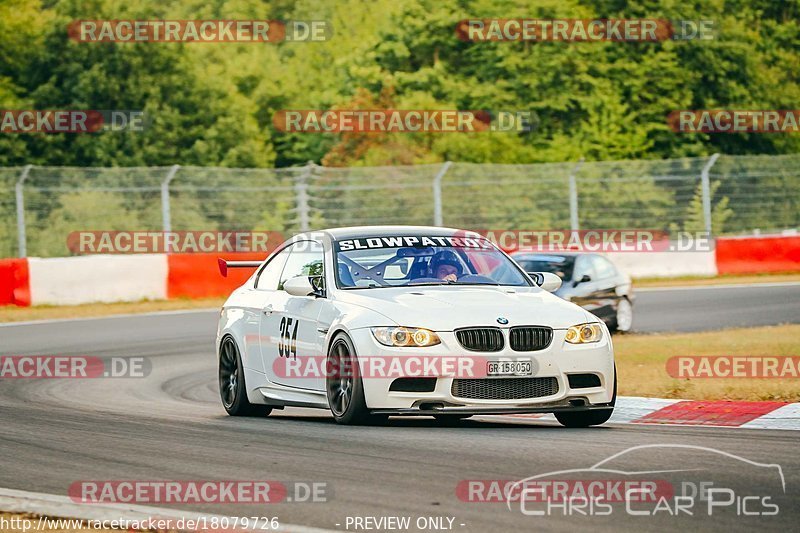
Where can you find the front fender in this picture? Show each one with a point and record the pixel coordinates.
(349, 317)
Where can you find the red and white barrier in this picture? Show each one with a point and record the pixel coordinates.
(197, 275)
(747, 255)
(14, 282)
(734, 414)
(97, 278)
(119, 278)
(665, 264)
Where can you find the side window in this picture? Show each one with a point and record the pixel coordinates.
(306, 259)
(398, 270)
(603, 267)
(583, 267)
(270, 275)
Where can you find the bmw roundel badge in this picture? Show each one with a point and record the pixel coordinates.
(502, 320)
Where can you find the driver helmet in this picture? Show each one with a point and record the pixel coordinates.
(445, 257)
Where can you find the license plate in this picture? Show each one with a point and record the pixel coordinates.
(509, 368)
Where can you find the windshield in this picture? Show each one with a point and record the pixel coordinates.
(406, 261)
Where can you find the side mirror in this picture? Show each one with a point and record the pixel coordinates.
(584, 279)
(300, 286)
(547, 280)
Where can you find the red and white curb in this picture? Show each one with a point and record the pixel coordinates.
(51, 505)
(663, 411)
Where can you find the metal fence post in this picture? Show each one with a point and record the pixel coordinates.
(166, 214)
(573, 196)
(438, 217)
(301, 193)
(21, 238)
(705, 185)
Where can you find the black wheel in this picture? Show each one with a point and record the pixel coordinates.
(583, 419)
(344, 387)
(232, 388)
(450, 420)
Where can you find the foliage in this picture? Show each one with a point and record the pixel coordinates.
(212, 104)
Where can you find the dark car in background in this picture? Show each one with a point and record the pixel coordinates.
(589, 280)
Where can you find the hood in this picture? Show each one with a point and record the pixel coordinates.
(447, 308)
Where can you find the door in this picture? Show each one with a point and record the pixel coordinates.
(605, 289)
(253, 301)
(583, 281)
(292, 342)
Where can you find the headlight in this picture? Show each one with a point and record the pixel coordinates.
(584, 333)
(406, 337)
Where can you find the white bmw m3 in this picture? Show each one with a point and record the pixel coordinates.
(403, 320)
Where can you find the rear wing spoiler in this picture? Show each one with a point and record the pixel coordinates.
(225, 265)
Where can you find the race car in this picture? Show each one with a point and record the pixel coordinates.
(379, 321)
(589, 280)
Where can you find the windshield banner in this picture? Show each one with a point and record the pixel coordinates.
(416, 241)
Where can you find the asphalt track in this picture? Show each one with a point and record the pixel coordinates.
(716, 307)
(170, 426)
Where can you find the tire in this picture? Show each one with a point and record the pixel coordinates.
(450, 420)
(583, 419)
(623, 319)
(232, 388)
(344, 387)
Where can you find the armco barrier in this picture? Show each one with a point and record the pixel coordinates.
(14, 282)
(665, 264)
(198, 276)
(97, 278)
(753, 255)
(114, 278)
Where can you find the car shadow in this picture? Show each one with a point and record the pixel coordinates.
(429, 422)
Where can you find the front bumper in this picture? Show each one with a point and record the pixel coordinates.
(424, 410)
(559, 360)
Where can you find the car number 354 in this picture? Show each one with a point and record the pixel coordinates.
(287, 340)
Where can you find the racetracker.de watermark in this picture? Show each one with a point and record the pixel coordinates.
(733, 366)
(291, 366)
(71, 120)
(199, 31)
(147, 242)
(403, 121)
(583, 30)
(72, 366)
(735, 121)
(198, 491)
(601, 241)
